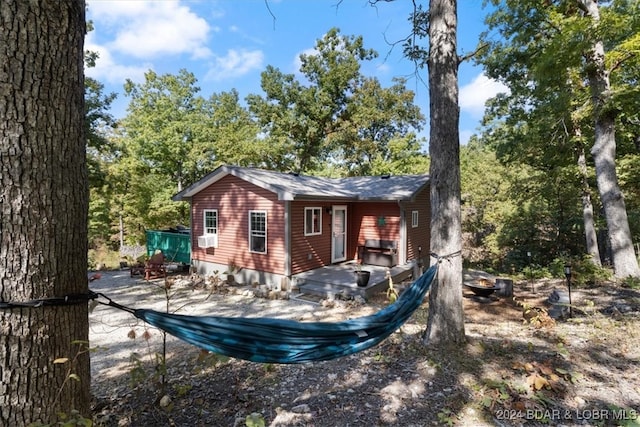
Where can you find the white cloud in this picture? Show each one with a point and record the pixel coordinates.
(297, 63)
(108, 70)
(150, 29)
(474, 95)
(235, 64)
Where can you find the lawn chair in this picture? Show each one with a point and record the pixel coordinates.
(154, 268)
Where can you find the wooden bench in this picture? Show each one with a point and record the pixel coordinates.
(380, 252)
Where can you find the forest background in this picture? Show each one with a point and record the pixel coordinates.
(525, 175)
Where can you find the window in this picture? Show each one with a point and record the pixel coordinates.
(211, 221)
(258, 231)
(312, 221)
(414, 219)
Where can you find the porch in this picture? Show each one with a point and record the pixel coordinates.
(340, 280)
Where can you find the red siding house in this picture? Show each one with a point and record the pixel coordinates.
(273, 225)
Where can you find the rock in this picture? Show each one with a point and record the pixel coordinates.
(301, 409)
(165, 401)
(558, 311)
(558, 297)
(358, 299)
(559, 301)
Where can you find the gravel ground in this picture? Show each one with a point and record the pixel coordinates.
(516, 369)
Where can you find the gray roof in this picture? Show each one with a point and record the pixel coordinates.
(290, 186)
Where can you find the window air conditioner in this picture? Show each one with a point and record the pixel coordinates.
(208, 241)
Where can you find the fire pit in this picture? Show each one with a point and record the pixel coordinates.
(481, 290)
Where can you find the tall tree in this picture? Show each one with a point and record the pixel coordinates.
(340, 116)
(439, 23)
(446, 314)
(99, 125)
(486, 203)
(545, 53)
(167, 124)
(604, 148)
(235, 133)
(43, 214)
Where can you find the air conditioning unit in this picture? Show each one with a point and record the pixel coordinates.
(208, 241)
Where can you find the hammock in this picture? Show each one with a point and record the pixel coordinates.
(272, 340)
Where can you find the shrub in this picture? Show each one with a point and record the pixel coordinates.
(583, 271)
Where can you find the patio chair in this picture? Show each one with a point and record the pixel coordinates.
(155, 268)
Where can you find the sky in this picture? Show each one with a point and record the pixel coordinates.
(226, 44)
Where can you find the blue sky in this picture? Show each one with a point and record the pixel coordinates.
(227, 44)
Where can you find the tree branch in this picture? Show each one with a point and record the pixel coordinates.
(470, 55)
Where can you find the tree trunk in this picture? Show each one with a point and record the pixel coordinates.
(446, 316)
(604, 154)
(43, 210)
(591, 237)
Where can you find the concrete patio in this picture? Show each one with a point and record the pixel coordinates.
(340, 280)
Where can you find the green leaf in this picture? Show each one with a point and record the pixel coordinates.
(255, 420)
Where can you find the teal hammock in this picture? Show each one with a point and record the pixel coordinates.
(272, 340)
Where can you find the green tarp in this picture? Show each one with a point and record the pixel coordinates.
(176, 247)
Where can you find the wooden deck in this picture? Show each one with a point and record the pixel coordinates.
(340, 280)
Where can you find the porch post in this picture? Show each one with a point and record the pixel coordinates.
(402, 244)
(287, 239)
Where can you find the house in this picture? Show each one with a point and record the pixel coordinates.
(273, 225)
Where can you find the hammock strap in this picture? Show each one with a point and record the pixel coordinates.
(112, 303)
(71, 299)
(439, 258)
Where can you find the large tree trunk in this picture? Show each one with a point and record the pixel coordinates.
(446, 315)
(604, 155)
(591, 237)
(43, 210)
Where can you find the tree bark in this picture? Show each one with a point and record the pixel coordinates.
(604, 155)
(43, 210)
(591, 237)
(445, 324)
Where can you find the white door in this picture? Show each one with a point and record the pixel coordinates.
(339, 234)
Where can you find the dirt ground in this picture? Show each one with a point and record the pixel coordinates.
(518, 367)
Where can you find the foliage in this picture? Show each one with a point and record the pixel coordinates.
(520, 185)
(631, 282)
(255, 419)
(165, 127)
(102, 257)
(340, 118)
(338, 122)
(583, 271)
(548, 117)
(486, 203)
(535, 272)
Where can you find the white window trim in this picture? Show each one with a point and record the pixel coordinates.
(204, 221)
(265, 231)
(414, 219)
(313, 233)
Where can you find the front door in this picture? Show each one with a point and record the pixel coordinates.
(338, 234)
